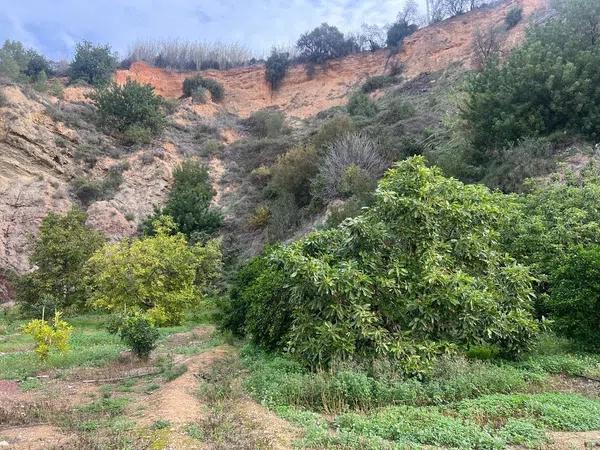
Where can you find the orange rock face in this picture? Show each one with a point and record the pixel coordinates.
(428, 50)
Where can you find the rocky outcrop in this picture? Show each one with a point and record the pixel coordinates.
(428, 50)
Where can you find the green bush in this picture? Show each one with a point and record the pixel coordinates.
(89, 191)
(130, 108)
(21, 64)
(514, 16)
(137, 134)
(398, 31)
(92, 64)
(332, 130)
(549, 84)
(376, 82)
(395, 110)
(189, 203)
(360, 104)
(60, 251)
(276, 68)
(139, 334)
(293, 173)
(191, 87)
(574, 302)
(424, 254)
(323, 43)
(266, 123)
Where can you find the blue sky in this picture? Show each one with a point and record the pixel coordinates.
(54, 26)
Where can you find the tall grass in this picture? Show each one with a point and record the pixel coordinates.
(188, 55)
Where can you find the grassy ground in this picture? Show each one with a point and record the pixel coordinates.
(252, 399)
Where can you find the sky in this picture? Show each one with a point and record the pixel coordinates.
(54, 26)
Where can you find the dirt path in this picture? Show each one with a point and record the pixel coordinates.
(177, 401)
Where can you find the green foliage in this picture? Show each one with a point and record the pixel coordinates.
(129, 108)
(549, 222)
(333, 130)
(160, 275)
(376, 82)
(360, 104)
(323, 43)
(21, 64)
(49, 336)
(514, 16)
(425, 254)
(189, 203)
(192, 85)
(276, 68)
(59, 253)
(256, 304)
(398, 31)
(549, 84)
(574, 302)
(266, 123)
(293, 173)
(139, 334)
(92, 64)
(89, 191)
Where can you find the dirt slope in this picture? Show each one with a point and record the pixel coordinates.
(38, 141)
(428, 50)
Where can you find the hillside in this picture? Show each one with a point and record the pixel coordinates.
(42, 138)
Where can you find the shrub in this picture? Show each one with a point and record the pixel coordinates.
(139, 334)
(397, 109)
(89, 191)
(352, 159)
(63, 245)
(276, 68)
(332, 130)
(574, 302)
(159, 275)
(323, 43)
(293, 172)
(189, 203)
(54, 336)
(398, 31)
(130, 107)
(360, 104)
(137, 134)
(266, 123)
(549, 84)
(514, 16)
(192, 85)
(423, 255)
(92, 64)
(260, 218)
(376, 82)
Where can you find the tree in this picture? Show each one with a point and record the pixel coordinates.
(60, 252)
(419, 273)
(323, 43)
(93, 64)
(160, 276)
(276, 68)
(398, 31)
(132, 105)
(189, 203)
(549, 84)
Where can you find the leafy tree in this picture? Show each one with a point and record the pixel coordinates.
(549, 84)
(60, 251)
(574, 302)
(189, 203)
(417, 274)
(132, 105)
(276, 68)
(19, 63)
(323, 43)
(398, 31)
(159, 275)
(93, 64)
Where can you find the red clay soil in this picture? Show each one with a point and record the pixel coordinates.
(430, 49)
